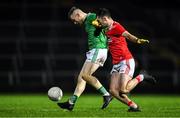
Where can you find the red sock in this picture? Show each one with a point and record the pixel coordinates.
(139, 78)
(130, 103)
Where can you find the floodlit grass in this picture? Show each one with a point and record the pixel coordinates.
(88, 105)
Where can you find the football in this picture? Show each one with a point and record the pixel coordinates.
(55, 94)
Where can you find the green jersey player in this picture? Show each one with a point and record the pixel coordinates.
(95, 58)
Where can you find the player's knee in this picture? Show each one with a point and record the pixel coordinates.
(113, 91)
(86, 76)
(124, 90)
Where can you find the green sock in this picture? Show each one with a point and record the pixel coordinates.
(103, 91)
(73, 99)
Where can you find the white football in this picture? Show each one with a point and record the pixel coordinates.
(55, 94)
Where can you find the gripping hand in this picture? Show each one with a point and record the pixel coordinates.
(98, 29)
(142, 41)
(96, 23)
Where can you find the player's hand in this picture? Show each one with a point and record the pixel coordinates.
(142, 41)
(96, 23)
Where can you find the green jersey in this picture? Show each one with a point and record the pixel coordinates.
(99, 41)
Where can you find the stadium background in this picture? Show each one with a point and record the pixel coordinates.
(40, 47)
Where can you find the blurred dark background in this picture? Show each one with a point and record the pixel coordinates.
(40, 47)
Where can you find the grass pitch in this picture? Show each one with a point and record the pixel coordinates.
(88, 105)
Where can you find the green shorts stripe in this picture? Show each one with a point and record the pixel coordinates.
(95, 55)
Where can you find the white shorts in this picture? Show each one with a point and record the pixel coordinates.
(125, 66)
(97, 56)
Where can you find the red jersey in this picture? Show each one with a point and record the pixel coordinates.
(117, 43)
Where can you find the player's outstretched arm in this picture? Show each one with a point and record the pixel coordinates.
(133, 38)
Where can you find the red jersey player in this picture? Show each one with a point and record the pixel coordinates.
(122, 81)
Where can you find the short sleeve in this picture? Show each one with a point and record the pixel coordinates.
(119, 28)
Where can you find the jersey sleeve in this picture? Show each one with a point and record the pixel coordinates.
(119, 29)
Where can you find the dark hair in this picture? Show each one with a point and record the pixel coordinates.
(103, 12)
(71, 11)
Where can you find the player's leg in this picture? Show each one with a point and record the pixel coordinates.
(81, 84)
(124, 79)
(114, 90)
(80, 87)
(119, 80)
(126, 74)
(143, 76)
(114, 87)
(89, 69)
(123, 89)
(96, 59)
(127, 83)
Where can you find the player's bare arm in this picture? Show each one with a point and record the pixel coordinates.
(133, 38)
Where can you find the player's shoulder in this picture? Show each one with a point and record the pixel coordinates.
(91, 16)
(116, 23)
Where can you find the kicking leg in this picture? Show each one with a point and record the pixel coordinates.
(80, 87)
(126, 71)
(132, 83)
(128, 84)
